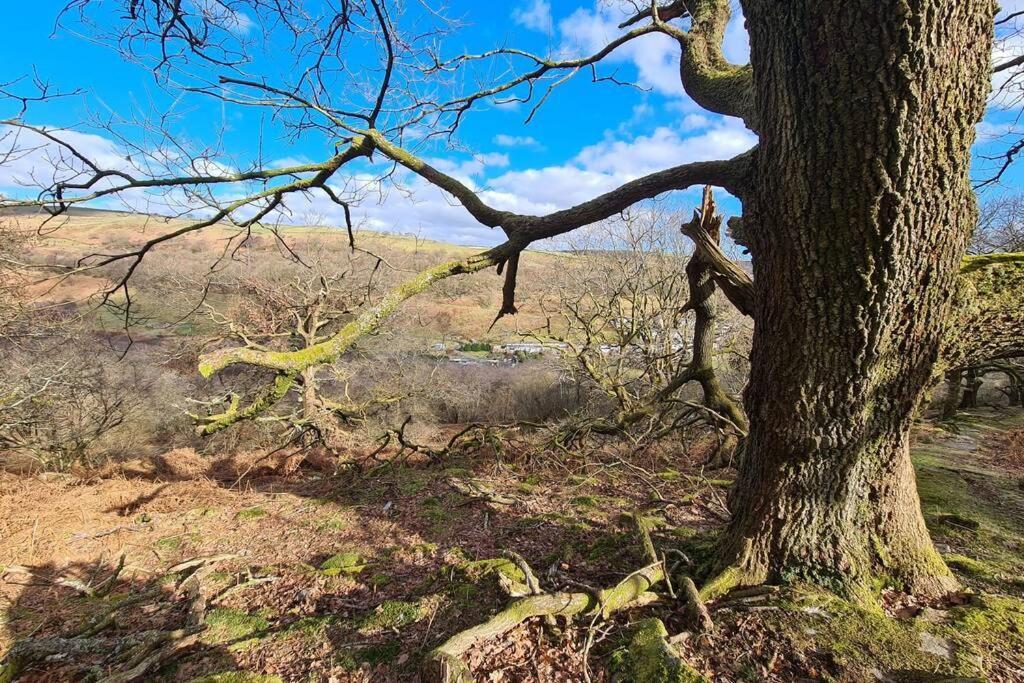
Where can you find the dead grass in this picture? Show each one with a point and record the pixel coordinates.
(405, 535)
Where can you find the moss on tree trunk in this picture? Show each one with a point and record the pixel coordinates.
(859, 216)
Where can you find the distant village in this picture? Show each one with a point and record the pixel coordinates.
(485, 353)
(473, 352)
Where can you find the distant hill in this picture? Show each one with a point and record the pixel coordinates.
(72, 211)
(457, 308)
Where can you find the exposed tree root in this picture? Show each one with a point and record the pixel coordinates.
(696, 612)
(444, 664)
(738, 574)
(650, 657)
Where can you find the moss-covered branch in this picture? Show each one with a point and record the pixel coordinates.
(368, 322)
(267, 398)
(988, 312)
(523, 229)
(444, 664)
(707, 76)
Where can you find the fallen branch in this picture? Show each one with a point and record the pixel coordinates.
(196, 562)
(25, 652)
(238, 587)
(444, 663)
(476, 491)
(167, 644)
(136, 654)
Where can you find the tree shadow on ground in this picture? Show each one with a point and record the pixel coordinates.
(358, 576)
(103, 621)
(347, 576)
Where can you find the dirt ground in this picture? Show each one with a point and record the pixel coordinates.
(315, 575)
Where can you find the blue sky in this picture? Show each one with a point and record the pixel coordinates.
(587, 139)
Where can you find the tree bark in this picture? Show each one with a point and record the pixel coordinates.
(858, 216)
(310, 402)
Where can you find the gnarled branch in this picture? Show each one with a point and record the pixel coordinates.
(707, 76)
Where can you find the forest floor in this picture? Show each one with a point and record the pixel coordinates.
(313, 576)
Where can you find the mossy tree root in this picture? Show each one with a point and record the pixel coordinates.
(444, 665)
(650, 657)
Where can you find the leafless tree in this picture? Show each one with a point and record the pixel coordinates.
(60, 402)
(624, 317)
(1000, 226)
(290, 310)
(1007, 135)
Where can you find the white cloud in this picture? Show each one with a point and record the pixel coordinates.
(414, 206)
(288, 162)
(503, 140)
(535, 15)
(656, 56)
(736, 45)
(695, 122)
(1007, 84)
(27, 158)
(628, 159)
(227, 18)
(494, 159)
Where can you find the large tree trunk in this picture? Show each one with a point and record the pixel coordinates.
(859, 216)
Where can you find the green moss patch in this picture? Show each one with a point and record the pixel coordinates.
(975, 515)
(508, 577)
(384, 653)
(236, 677)
(610, 547)
(350, 563)
(331, 524)
(988, 625)
(439, 510)
(479, 569)
(649, 658)
(964, 565)
(389, 615)
(250, 513)
(308, 629)
(863, 641)
(228, 625)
